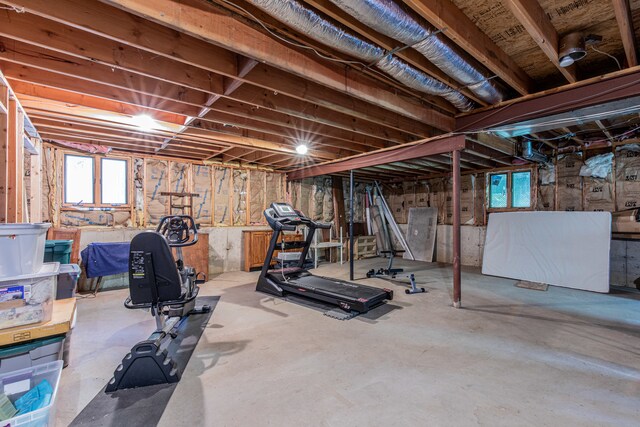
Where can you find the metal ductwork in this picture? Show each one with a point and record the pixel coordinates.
(529, 153)
(388, 18)
(316, 27)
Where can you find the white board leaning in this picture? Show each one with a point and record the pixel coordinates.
(569, 249)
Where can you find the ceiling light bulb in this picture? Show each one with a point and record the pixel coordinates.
(144, 122)
(565, 61)
(302, 149)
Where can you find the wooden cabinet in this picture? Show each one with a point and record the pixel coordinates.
(256, 245)
(197, 256)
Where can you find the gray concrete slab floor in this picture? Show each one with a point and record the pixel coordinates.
(510, 357)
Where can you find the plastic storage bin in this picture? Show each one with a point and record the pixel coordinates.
(58, 251)
(21, 248)
(37, 352)
(17, 383)
(67, 281)
(28, 298)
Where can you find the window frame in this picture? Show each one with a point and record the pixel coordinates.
(126, 180)
(64, 179)
(510, 171)
(97, 181)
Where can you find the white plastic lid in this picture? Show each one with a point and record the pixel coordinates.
(47, 269)
(24, 228)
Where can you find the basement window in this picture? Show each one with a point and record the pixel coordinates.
(509, 190)
(114, 181)
(78, 179)
(95, 181)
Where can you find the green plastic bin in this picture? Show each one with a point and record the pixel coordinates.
(58, 251)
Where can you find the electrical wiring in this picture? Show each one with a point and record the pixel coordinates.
(291, 42)
(609, 55)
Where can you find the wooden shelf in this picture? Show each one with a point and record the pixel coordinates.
(60, 323)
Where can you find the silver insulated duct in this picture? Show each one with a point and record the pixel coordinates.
(316, 27)
(388, 18)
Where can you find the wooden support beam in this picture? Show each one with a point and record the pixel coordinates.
(446, 16)
(4, 153)
(424, 148)
(625, 23)
(35, 177)
(539, 26)
(13, 151)
(20, 195)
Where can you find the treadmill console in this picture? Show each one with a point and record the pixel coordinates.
(283, 210)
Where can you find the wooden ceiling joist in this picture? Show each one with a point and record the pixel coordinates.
(194, 133)
(99, 104)
(198, 20)
(445, 16)
(625, 23)
(172, 65)
(58, 81)
(171, 71)
(539, 26)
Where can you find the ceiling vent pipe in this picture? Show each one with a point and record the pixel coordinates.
(527, 152)
(316, 27)
(388, 18)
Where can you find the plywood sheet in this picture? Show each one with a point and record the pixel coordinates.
(495, 19)
(421, 233)
(550, 247)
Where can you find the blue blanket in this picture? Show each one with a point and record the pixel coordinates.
(105, 259)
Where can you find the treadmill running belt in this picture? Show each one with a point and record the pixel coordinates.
(350, 290)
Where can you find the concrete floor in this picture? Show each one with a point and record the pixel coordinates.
(510, 357)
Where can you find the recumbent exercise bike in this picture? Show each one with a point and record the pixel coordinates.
(168, 289)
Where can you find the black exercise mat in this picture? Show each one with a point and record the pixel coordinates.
(144, 406)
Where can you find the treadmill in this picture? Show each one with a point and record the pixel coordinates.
(297, 280)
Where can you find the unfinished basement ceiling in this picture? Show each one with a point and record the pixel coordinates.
(229, 81)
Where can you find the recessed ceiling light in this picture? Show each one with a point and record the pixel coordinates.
(302, 149)
(144, 122)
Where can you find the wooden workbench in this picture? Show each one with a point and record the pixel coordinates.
(60, 323)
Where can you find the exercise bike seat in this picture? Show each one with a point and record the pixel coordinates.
(153, 272)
